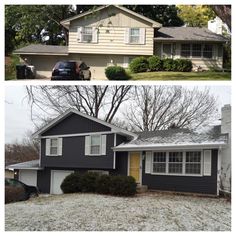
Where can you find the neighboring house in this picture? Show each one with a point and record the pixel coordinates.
(173, 160)
(114, 35)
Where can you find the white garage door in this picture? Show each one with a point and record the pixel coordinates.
(57, 176)
(28, 177)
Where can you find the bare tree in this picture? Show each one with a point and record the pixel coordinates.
(97, 101)
(163, 107)
(223, 12)
(26, 150)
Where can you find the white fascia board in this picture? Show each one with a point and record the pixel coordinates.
(167, 147)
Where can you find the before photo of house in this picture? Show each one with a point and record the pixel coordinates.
(112, 36)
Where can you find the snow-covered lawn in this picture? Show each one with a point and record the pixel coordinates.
(146, 212)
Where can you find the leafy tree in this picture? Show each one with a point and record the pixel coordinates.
(195, 15)
(24, 24)
(167, 15)
(223, 12)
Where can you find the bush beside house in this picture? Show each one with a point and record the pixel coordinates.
(116, 73)
(103, 184)
(154, 63)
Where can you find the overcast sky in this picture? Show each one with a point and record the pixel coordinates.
(17, 110)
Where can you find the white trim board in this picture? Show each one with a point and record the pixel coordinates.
(77, 134)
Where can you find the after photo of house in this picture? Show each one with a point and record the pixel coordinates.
(117, 117)
(160, 152)
(118, 42)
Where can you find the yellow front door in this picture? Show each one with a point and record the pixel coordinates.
(134, 166)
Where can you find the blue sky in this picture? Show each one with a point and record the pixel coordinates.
(17, 110)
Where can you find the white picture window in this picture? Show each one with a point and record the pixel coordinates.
(196, 50)
(176, 162)
(87, 34)
(208, 51)
(95, 147)
(159, 162)
(193, 163)
(167, 50)
(134, 35)
(185, 50)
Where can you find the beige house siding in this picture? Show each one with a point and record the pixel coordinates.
(204, 63)
(97, 63)
(112, 24)
(9, 174)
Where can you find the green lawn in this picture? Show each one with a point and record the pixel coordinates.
(207, 75)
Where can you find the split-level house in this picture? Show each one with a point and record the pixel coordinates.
(114, 35)
(172, 160)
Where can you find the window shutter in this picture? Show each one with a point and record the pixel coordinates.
(148, 162)
(104, 142)
(59, 146)
(95, 35)
(207, 162)
(87, 145)
(142, 35)
(79, 34)
(127, 34)
(47, 146)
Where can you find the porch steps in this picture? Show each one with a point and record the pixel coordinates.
(141, 188)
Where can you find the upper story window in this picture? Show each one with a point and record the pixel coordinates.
(95, 145)
(87, 34)
(53, 146)
(135, 35)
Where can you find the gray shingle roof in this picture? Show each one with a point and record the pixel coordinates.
(43, 50)
(174, 138)
(25, 165)
(187, 34)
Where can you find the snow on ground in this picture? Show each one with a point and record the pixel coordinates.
(93, 212)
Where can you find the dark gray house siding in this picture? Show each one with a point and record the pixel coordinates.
(76, 124)
(44, 180)
(204, 184)
(121, 164)
(73, 155)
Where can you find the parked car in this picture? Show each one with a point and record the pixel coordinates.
(71, 70)
(28, 191)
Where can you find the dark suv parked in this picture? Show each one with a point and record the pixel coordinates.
(71, 70)
(29, 191)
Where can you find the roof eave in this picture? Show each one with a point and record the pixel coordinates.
(40, 53)
(169, 147)
(190, 40)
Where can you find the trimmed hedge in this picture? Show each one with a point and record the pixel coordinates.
(155, 63)
(139, 64)
(72, 183)
(116, 73)
(104, 184)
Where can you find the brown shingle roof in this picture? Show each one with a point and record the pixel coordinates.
(187, 34)
(40, 49)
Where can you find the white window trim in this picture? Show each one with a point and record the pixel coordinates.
(202, 47)
(139, 35)
(184, 161)
(100, 148)
(49, 154)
